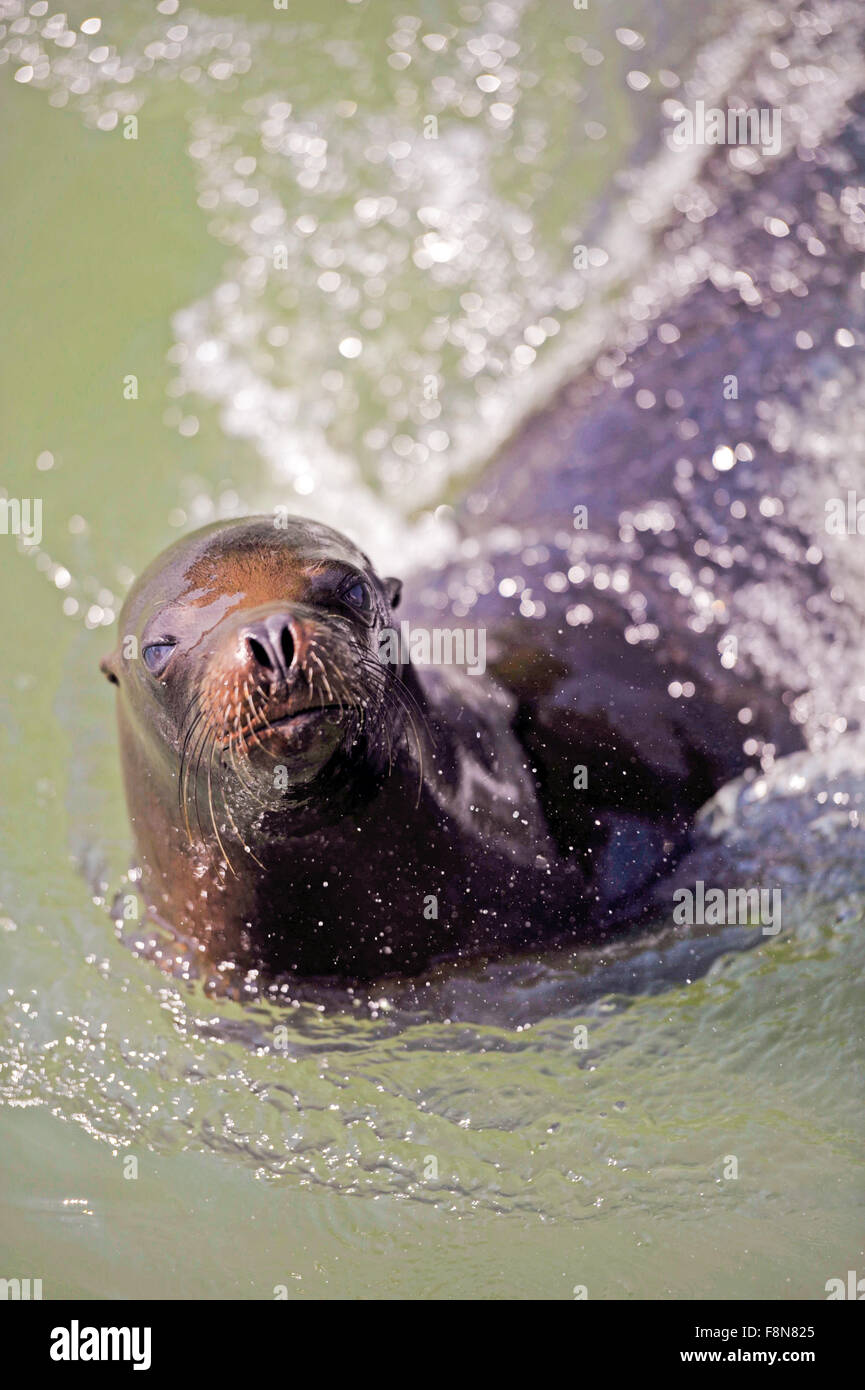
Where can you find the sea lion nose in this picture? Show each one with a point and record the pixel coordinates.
(272, 643)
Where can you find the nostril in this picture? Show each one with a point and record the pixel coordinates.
(272, 647)
(286, 642)
(259, 653)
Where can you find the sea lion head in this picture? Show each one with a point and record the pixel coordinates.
(249, 675)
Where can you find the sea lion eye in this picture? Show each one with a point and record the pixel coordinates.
(358, 595)
(156, 656)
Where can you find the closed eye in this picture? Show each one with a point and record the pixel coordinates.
(156, 656)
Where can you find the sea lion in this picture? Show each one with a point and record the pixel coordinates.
(678, 603)
(298, 803)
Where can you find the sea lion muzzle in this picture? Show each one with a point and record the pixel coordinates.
(288, 686)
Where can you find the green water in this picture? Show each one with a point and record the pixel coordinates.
(464, 1148)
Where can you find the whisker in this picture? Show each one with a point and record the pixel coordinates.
(213, 813)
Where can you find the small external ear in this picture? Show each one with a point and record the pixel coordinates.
(393, 589)
(107, 669)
